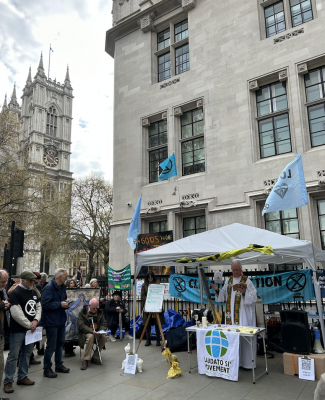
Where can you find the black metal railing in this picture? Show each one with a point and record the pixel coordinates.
(183, 307)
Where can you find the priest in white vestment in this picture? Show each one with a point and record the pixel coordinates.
(240, 297)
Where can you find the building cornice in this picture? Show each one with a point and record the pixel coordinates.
(130, 23)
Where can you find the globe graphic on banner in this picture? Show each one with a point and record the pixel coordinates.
(216, 343)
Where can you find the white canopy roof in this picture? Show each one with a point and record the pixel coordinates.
(230, 237)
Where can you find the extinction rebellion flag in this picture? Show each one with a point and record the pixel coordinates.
(218, 353)
(273, 288)
(119, 280)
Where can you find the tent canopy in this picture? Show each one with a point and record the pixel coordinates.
(230, 237)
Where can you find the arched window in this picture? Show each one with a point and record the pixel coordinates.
(51, 124)
(49, 192)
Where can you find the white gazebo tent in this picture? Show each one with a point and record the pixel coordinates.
(237, 236)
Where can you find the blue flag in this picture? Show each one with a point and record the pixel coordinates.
(135, 226)
(290, 189)
(168, 168)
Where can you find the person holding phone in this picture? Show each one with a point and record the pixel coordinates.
(54, 306)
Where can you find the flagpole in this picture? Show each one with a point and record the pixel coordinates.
(48, 75)
(134, 294)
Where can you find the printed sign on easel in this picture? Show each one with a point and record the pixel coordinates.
(155, 298)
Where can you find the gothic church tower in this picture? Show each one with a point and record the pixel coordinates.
(46, 114)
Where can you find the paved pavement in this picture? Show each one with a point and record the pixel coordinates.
(107, 381)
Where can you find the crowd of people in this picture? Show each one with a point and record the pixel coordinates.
(34, 302)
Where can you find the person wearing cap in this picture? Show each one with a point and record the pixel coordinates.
(112, 310)
(25, 312)
(32, 360)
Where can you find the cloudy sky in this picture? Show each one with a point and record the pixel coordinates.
(76, 30)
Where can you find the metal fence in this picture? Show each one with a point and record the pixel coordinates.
(184, 307)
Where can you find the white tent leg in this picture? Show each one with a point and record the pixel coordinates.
(319, 307)
(312, 264)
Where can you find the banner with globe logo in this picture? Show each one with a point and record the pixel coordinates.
(218, 353)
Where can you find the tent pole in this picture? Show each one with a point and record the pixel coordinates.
(201, 287)
(318, 295)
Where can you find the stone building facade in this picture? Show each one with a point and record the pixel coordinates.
(236, 90)
(46, 116)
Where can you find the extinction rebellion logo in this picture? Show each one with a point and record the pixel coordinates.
(216, 343)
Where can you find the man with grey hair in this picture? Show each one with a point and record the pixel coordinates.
(240, 296)
(25, 312)
(54, 306)
(90, 321)
(4, 307)
(42, 282)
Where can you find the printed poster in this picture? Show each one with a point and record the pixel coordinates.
(218, 353)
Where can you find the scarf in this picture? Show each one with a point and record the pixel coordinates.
(94, 317)
(237, 301)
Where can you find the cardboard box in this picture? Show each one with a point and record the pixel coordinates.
(291, 364)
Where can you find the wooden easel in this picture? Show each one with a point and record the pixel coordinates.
(153, 315)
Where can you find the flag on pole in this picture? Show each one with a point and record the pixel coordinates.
(167, 168)
(290, 189)
(135, 226)
(51, 49)
(79, 276)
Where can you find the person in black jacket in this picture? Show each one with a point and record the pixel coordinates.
(54, 317)
(113, 308)
(4, 306)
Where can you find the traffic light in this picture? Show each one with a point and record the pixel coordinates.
(18, 245)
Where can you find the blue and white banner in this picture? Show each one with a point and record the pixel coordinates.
(218, 353)
(290, 189)
(278, 288)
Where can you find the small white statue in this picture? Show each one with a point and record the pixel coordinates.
(127, 349)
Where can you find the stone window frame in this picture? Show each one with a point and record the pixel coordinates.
(253, 85)
(158, 222)
(320, 229)
(300, 1)
(276, 29)
(164, 63)
(147, 219)
(178, 112)
(282, 219)
(182, 63)
(158, 33)
(195, 229)
(161, 25)
(163, 155)
(262, 4)
(314, 195)
(145, 148)
(302, 68)
(259, 203)
(193, 214)
(181, 33)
